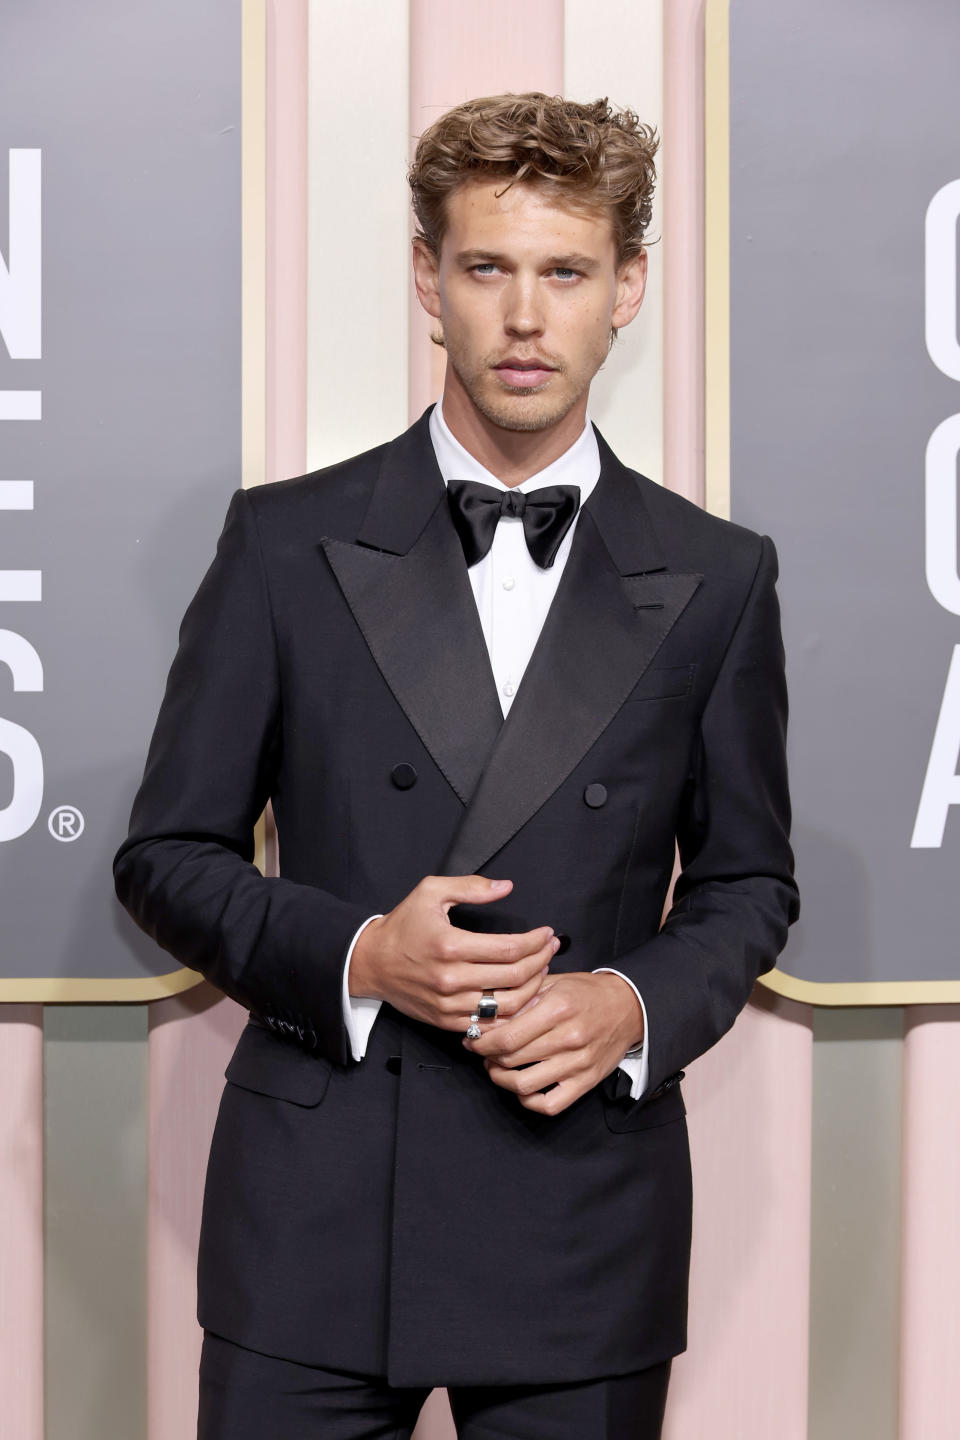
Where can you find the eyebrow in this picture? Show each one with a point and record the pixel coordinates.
(564, 262)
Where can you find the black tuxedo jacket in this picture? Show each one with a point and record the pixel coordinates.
(403, 1215)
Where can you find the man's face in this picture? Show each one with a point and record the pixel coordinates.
(527, 291)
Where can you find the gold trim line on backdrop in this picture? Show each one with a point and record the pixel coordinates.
(160, 987)
(97, 991)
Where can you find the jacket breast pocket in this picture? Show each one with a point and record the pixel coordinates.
(664, 683)
(270, 1066)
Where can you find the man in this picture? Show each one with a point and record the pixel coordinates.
(487, 676)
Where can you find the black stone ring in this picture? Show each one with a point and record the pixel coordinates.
(487, 1006)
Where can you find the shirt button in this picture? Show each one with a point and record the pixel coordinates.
(509, 583)
(508, 688)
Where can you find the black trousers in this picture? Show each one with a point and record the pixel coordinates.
(248, 1396)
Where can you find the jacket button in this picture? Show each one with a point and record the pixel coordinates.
(403, 776)
(564, 942)
(595, 795)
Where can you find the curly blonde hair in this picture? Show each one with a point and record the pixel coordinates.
(590, 155)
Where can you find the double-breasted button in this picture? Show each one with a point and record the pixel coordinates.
(564, 942)
(403, 776)
(595, 795)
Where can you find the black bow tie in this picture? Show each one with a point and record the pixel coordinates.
(547, 515)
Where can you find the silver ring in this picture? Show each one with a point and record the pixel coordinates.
(474, 1032)
(487, 1006)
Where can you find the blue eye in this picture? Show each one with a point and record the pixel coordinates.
(563, 271)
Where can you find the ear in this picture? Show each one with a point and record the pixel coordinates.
(631, 283)
(426, 277)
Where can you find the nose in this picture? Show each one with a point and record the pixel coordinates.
(522, 314)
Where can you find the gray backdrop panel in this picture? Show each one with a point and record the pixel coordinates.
(137, 110)
(844, 124)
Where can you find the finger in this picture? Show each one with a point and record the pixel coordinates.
(559, 1098)
(508, 1001)
(528, 1081)
(556, 1042)
(538, 1019)
(472, 947)
(473, 977)
(449, 890)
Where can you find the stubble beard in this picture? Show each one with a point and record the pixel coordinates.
(521, 408)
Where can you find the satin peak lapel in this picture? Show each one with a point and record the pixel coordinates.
(406, 583)
(602, 631)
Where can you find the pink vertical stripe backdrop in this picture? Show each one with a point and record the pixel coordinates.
(459, 51)
(21, 1222)
(930, 1254)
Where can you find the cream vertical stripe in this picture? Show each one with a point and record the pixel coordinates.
(95, 1098)
(855, 1224)
(286, 228)
(683, 246)
(626, 398)
(21, 1230)
(358, 227)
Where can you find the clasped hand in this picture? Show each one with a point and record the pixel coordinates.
(564, 1031)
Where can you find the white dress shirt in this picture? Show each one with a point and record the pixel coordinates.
(513, 595)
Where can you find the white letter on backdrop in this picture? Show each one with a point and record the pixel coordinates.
(24, 752)
(940, 279)
(20, 277)
(940, 518)
(941, 786)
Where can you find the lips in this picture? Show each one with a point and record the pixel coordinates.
(523, 374)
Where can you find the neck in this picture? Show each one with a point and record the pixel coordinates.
(512, 455)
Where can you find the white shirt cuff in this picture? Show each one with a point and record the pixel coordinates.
(359, 1011)
(636, 1066)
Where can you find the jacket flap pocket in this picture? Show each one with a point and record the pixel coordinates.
(659, 684)
(270, 1066)
(625, 1114)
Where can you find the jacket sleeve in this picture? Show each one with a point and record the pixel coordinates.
(185, 871)
(735, 896)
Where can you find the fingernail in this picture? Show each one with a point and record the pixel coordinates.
(556, 944)
(498, 884)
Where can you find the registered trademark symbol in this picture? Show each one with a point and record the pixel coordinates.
(65, 823)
